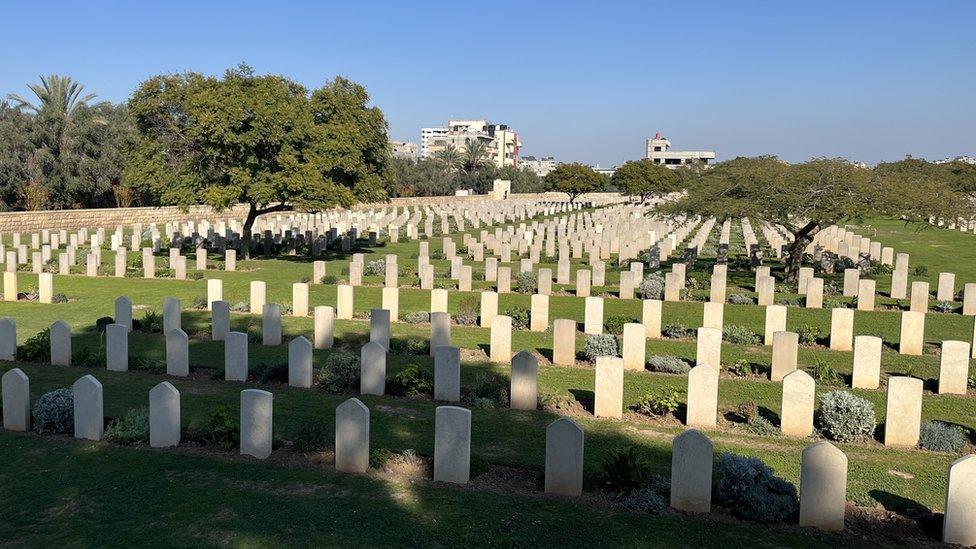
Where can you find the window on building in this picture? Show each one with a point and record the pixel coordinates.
(657, 149)
(672, 161)
(657, 160)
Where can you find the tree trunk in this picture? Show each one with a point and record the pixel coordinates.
(252, 215)
(801, 238)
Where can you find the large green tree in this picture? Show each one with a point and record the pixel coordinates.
(574, 180)
(644, 179)
(808, 197)
(258, 140)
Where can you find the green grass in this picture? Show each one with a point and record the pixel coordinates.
(341, 507)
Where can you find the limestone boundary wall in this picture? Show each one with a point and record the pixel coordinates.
(34, 221)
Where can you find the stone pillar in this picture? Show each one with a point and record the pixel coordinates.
(564, 458)
(256, 422)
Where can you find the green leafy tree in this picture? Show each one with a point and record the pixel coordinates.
(523, 179)
(803, 198)
(474, 156)
(644, 179)
(257, 140)
(574, 180)
(422, 177)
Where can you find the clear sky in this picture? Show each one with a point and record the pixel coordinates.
(584, 81)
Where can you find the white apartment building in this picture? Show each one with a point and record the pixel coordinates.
(403, 149)
(659, 152)
(501, 142)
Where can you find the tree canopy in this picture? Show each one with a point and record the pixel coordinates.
(574, 180)
(258, 140)
(644, 179)
(808, 197)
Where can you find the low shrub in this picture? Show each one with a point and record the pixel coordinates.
(845, 416)
(59, 298)
(54, 412)
(271, 372)
(375, 267)
(645, 500)
(222, 427)
(761, 426)
(150, 364)
(809, 335)
(748, 487)
(662, 402)
(677, 331)
(825, 373)
(668, 364)
(416, 317)
(199, 303)
(921, 270)
(152, 322)
(746, 411)
(312, 436)
(340, 373)
(93, 356)
(131, 429)
(944, 307)
(102, 323)
(652, 287)
(467, 311)
(521, 317)
(330, 279)
(615, 324)
(37, 348)
(600, 345)
(939, 436)
(741, 368)
(526, 283)
(412, 381)
(488, 390)
(740, 335)
(624, 470)
(740, 299)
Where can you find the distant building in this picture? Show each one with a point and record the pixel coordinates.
(963, 159)
(541, 166)
(500, 189)
(605, 171)
(501, 142)
(403, 149)
(659, 152)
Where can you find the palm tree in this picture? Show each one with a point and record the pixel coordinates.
(449, 157)
(475, 155)
(60, 93)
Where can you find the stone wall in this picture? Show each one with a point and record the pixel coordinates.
(25, 222)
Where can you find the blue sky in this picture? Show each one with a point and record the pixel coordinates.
(583, 81)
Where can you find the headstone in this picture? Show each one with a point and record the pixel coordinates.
(702, 396)
(352, 437)
(797, 405)
(235, 356)
(691, 472)
(903, 411)
(258, 289)
(634, 347)
(823, 487)
(709, 347)
(391, 302)
(651, 317)
(608, 394)
(177, 353)
(841, 329)
(271, 324)
(867, 362)
(379, 327)
(16, 400)
(912, 336)
(785, 346)
(171, 315)
(219, 320)
(440, 331)
(123, 312)
(324, 319)
(775, 322)
(593, 315)
(164, 416)
(954, 367)
(372, 373)
(438, 300)
(501, 339)
(564, 458)
(88, 410)
(60, 343)
(489, 308)
(452, 444)
(300, 363)
(815, 293)
(256, 422)
(524, 382)
(117, 348)
(447, 374)
(958, 526)
(344, 302)
(539, 313)
(215, 291)
(299, 299)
